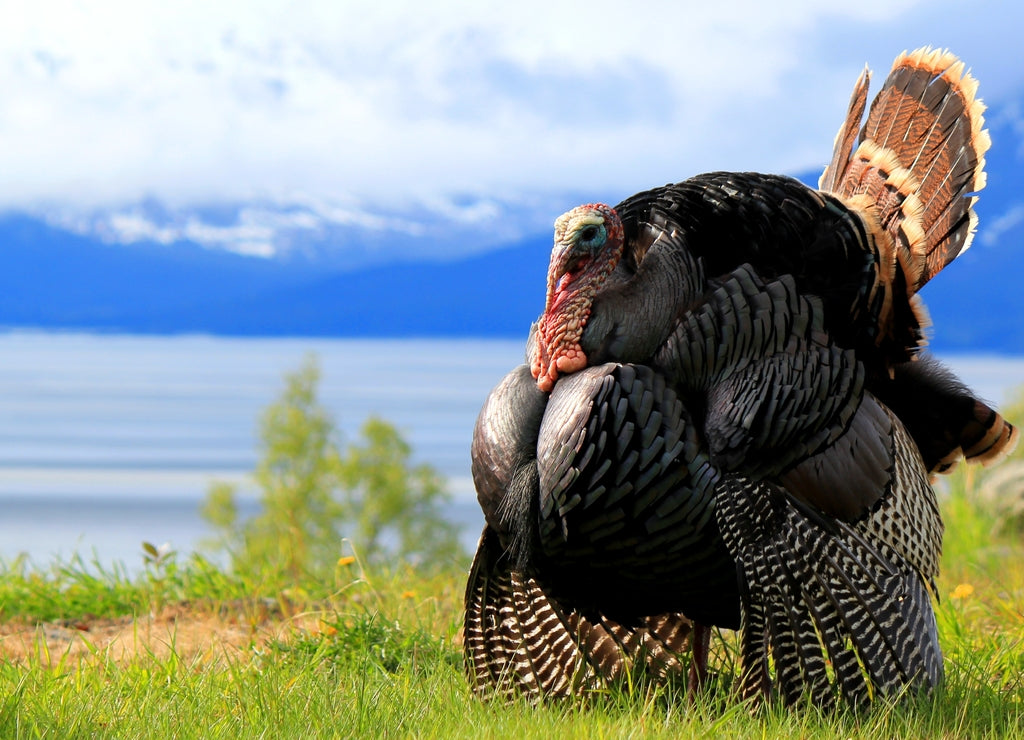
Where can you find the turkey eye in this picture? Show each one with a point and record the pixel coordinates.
(589, 234)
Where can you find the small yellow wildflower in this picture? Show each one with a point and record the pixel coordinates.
(346, 560)
(327, 629)
(962, 591)
(408, 594)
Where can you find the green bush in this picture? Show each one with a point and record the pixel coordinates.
(315, 494)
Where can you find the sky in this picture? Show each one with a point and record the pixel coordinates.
(341, 107)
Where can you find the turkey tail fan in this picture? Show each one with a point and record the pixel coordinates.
(918, 162)
(520, 641)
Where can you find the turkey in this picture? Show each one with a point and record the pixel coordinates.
(726, 419)
(892, 213)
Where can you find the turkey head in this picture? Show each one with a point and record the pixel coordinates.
(588, 246)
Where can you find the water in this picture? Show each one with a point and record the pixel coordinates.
(107, 441)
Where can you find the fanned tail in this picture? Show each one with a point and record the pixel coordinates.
(918, 161)
(912, 172)
(520, 640)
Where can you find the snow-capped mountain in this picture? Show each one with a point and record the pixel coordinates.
(473, 267)
(344, 236)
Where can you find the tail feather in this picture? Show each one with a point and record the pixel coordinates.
(521, 640)
(990, 438)
(943, 416)
(919, 161)
(985, 437)
(847, 136)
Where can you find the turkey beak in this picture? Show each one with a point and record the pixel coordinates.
(557, 269)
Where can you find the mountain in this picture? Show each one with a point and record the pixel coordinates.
(409, 274)
(335, 236)
(50, 278)
(497, 294)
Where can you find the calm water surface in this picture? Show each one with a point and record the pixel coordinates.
(106, 441)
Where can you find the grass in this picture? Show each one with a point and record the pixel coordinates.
(187, 650)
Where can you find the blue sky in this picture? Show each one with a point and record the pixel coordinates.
(333, 106)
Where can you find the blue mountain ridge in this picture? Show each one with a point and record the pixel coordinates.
(55, 279)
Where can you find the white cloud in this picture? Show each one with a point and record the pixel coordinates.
(134, 227)
(1000, 225)
(338, 103)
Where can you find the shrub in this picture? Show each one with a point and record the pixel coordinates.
(313, 494)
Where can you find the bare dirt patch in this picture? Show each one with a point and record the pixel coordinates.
(191, 633)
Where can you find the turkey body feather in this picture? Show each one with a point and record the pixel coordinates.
(726, 419)
(628, 512)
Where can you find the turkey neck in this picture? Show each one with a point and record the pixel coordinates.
(634, 313)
